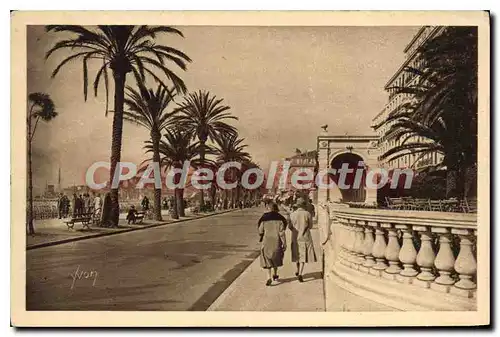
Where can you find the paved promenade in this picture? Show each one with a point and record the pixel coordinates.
(249, 292)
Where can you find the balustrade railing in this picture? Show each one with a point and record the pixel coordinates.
(431, 250)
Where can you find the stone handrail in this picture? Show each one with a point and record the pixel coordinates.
(407, 260)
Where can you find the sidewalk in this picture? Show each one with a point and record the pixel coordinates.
(249, 292)
(54, 231)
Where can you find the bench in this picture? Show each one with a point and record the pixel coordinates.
(395, 203)
(85, 219)
(468, 205)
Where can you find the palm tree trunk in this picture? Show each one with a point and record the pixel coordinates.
(213, 191)
(180, 202)
(238, 195)
(225, 201)
(470, 182)
(116, 141)
(155, 138)
(202, 160)
(174, 214)
(451, 183)
(31, 228)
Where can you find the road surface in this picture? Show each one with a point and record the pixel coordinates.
(183, 266)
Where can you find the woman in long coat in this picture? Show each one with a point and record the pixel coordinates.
(302, 247)
(272, 227)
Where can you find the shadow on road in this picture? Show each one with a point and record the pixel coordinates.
(307, 278)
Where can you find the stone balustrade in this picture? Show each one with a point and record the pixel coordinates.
(407, 260)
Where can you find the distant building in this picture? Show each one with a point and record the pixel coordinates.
(49, 192)
(400, 79)
(300, 161)
(76, 189)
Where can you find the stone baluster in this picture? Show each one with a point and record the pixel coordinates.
(346, 237)
(359, 237)
(465, 265)
(425, 256)
(378, 251)
(368, 245)
(445, 260)
(392, 249)
(342, 240)
(351, 241)
(407, 255)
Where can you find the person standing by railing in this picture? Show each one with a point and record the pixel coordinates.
(60, 205)
(97, 203)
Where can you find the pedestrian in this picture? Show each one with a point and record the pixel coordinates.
(131, 215)
(60, 205)
(272, 227)
(87, 203)
(145, 203)
(82, 204)
(97, 203)
(76, 205)
(311, 209)
(302, 247)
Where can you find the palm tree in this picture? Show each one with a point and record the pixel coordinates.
(148, 108)
(122, 50)
(204, 116)
(41, 107)
(442, 115)
(176, 149)
(247, 165)
(231, 149)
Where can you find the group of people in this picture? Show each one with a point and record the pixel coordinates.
(86, 204)
(247, 203)
(80, 204)
(272, 226)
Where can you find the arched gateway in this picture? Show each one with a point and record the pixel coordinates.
(358, 154)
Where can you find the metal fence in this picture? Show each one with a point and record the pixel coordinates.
(47, 208)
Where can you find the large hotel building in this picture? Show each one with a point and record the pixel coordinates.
(404, 78)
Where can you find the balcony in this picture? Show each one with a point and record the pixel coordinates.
(405, 260)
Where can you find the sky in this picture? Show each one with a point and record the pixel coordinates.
(283, 84)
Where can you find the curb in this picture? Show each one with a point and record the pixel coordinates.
(230, 288)
(79, 238)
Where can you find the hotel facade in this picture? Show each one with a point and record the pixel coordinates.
(396, 100)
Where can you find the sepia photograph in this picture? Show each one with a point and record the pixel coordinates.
(311, 166)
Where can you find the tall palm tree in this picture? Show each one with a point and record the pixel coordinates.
(176, 148)
(247, 165)
(231, 149)
(148, 108)
(204, 116)
(122, 50)
(41, 107)
(442, 115)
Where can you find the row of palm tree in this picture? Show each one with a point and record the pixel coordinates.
(179, 146)
(442, 114)
(131, 53)
(198, 118)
